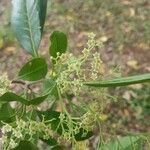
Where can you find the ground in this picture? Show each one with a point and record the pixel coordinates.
(123, 26)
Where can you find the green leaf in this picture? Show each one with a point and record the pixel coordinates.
(58, 43)
(26, 145)
(25, 24)
(57, 148)
(10, 97)
(33, 70)
(42, 4)
(51, 115)
(50, 86)
(50, 141)
(123, 143)
(38, 100)
(120, 81)
(83, 135)
(53, 144)
(6, 113)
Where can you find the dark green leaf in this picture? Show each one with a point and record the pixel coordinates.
(57, 148)
(33, 70)
(25, 23)
(58, 43)
(26, 145)
(50, 86)
(83, 135)
(42, 4)
(10, 97)
(124, 143)
(51, 115)
(50, 141)
(120, 81)
(38, 100)
(6, 113)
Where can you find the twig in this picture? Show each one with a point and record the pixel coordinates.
(18, 82)
(22, 83)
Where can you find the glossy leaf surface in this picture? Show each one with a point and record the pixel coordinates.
(58, 43)
(33, 70)
(42, 5)
(25, 24)
(38, 100)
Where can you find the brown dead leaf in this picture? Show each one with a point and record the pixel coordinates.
(10, 50)
(126, 112)
(143, 46)
(136, 86)
(132, 12)
(133, 64)
(103, 117)
(127, 95)
(104, 39)
(126, 2)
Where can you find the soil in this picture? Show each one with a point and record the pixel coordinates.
(12, 57)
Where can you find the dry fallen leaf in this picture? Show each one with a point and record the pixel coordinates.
(136, 86)
(127, 95)
(126, 2)
(104, 39)
(10, 50)
(103, 117)
(133, 64)
(132, 12)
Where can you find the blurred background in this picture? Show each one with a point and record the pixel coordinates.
(124, 28)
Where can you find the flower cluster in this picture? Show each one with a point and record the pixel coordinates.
(4, 83)
(11, 136)
(92, 115)
(70, 128)
(72, 71)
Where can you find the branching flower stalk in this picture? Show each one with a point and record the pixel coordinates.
(74, 106)
(71, 72)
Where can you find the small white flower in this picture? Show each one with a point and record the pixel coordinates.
(17, 134)
(21, 124)
(91, 35)
(6, 128)
(4, 139)
(12, 144)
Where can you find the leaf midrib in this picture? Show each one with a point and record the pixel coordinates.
(120, 81)
(30, 30)
(40, 68)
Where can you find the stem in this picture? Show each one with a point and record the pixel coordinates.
(70, 123)
(28, 85)
(22, 83)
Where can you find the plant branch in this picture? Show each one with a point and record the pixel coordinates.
(22, 83)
